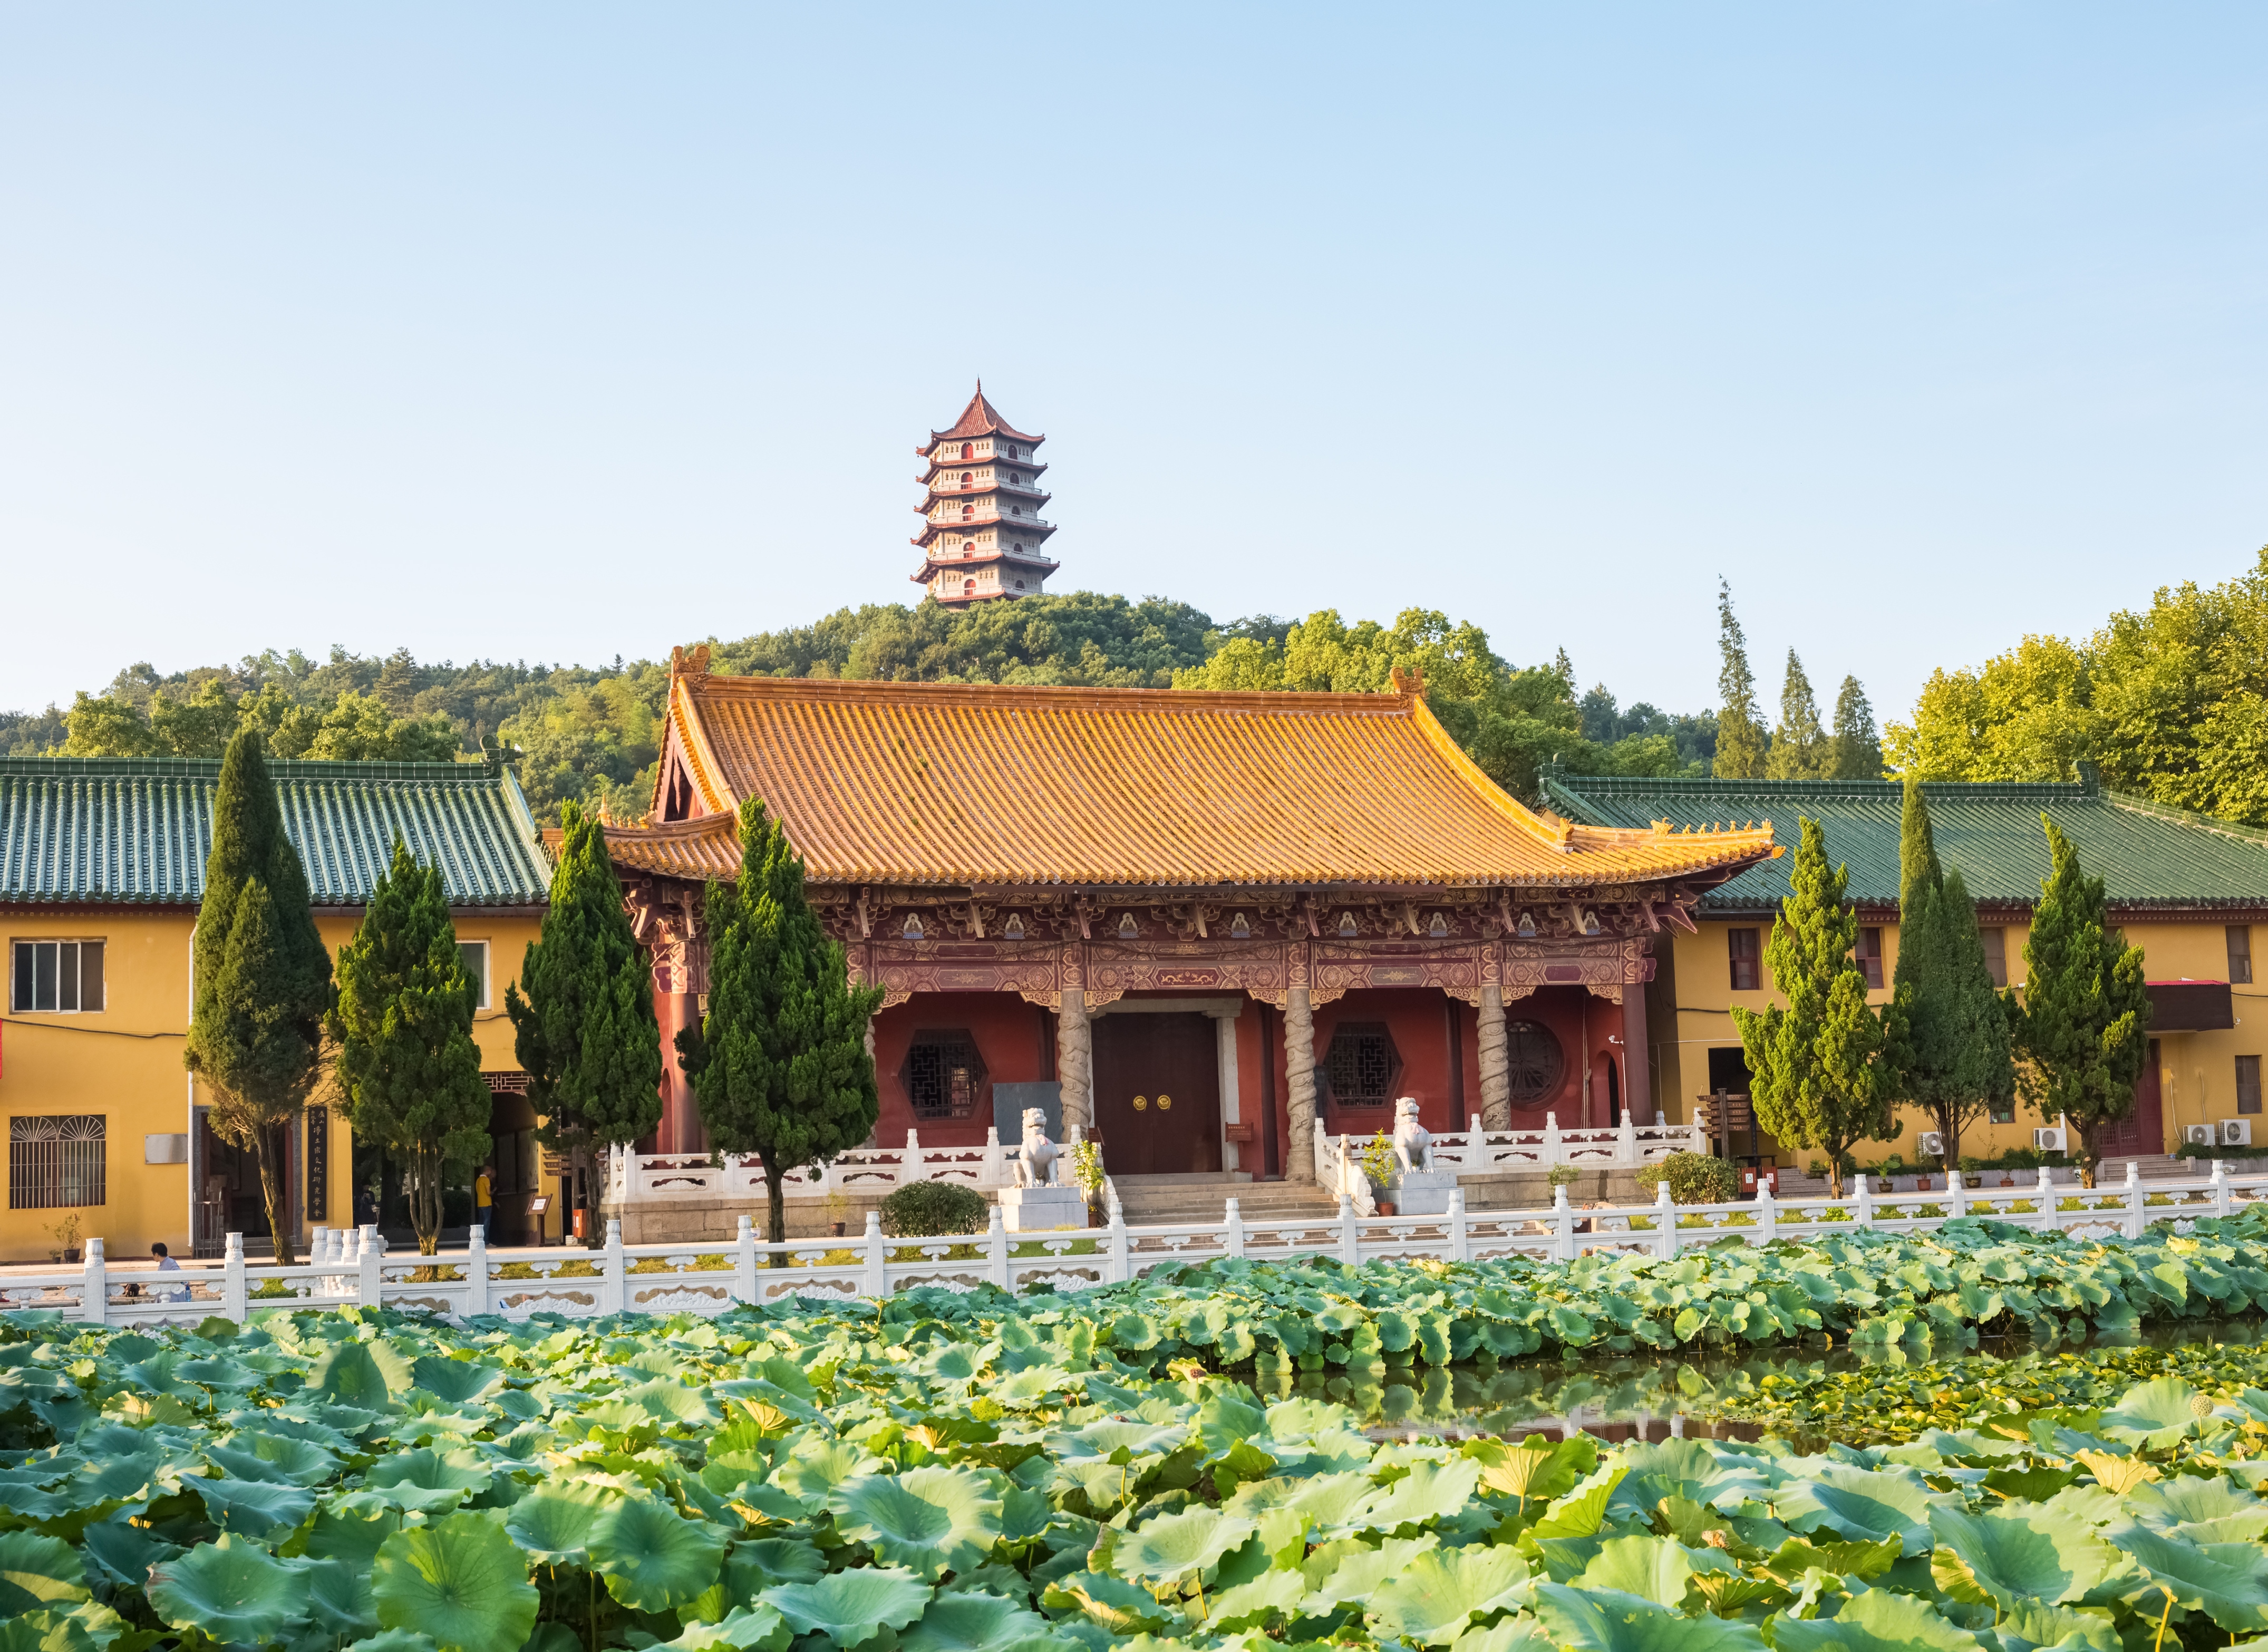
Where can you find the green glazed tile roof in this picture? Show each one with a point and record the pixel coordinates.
(2147, 855)
(138, 830)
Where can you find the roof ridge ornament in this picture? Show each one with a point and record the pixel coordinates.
(692, 665)
(1407, 680)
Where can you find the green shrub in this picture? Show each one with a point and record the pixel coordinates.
(1693, 1178)
(2213, 1150)
(921, 1209)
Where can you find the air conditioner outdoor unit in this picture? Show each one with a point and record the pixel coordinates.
(2048, 1139)
(2198, 1135)
(1932, 1145)
(2235, 1132)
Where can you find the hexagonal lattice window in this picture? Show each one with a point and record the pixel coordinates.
(944, 1075)
(1533, 1060)
(1362, 1065)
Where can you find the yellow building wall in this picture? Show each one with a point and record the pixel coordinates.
(124, 1062)
(1689, 1013)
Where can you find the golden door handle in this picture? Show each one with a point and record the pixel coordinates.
(1141, 1104)
(1164, 1103)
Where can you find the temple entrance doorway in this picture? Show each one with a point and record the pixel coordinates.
(1157, 1094)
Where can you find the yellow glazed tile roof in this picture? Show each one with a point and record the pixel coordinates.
(952, 784)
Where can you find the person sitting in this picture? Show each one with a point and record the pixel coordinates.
(166, 1265)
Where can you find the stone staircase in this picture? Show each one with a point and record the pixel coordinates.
(1151, 1201)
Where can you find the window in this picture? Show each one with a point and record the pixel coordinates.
(1533, 1061)
(1362, 1065)
(2239, 955)
(62, 976)
(944, 1075)
(1870, 957)
(1741, 947)
(2248, 1084)
(54, 1160)
(474, 955)
(1995, 942)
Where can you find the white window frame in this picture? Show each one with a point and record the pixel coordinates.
(481, 1002)
(17, 943)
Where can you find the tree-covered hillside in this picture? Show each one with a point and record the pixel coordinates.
(593, 733)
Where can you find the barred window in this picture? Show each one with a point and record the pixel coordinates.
(1363, 1065)
(474, 955)
(944, 1075)
(54, 1160)
(1533, 1061)
(62, 977)
(2248, 1084)
(2240, 955)
(1869, 952)
(1995, 942)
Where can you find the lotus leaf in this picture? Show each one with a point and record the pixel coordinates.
(1350, 1572)
(2009, 1557)
(352, 1528)
(971, 1623)
(817, 1467)
(459, 1582)
(265, 1457)
(1861, 1505)
(1876, 1621)
(851, 1606)
(1429, 1492)
(929, 1520)
(652, 1557)
(232, 1590)
(1606, 1621)
(38, 1571)
(339, 1598)
(455, 1382)
(252, 1506)
(2227, 1581)
(1112, 1604)
(1433, 1599)
(426, 1479)
(1174, 1548)
(350, 1374)
(1653, 1568)
(2056, 1627)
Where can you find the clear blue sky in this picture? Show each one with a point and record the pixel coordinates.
(560, 331)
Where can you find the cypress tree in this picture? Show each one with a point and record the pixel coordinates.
(1857, 752)
(1813, 1069)
(264, 976)
(1917, 862)
(1799, 747)
(584, 1026)
(2082, 1022)
(779, 1065)
(1740, 738)
(408, 1071)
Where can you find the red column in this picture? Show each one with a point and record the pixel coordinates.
(679, 1131)
(1638, 1082)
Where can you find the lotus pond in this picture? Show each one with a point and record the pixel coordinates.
(938, 1472)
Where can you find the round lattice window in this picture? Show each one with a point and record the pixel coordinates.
(1532, 1060)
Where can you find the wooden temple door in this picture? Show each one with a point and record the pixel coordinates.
(1157, 1094)
(2142, 1131)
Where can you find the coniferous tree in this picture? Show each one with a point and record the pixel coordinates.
(1945, 1034)
(264, 977)
(1857, 746)
(779, 1064)
(2082, 1021)
(1799, 747)
(408, 1073)
(1814, 1075)
(1741, 738)
(584, 1026)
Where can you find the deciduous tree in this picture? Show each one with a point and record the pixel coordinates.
(779, 1064)
(584, 1026)
(262, 977)
(2082, 1021)
(1814, 1075)
(407, 1071)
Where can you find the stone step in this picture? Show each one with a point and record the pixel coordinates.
(1255, 1201)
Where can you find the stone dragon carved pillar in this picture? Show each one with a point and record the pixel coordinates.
(1496, 1072)
(1075, 1061)
(1299, 1072)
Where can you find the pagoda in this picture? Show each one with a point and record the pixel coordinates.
(981, 537)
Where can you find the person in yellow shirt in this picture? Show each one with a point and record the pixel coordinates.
(483, 1182)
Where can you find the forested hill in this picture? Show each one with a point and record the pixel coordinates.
(591, 733)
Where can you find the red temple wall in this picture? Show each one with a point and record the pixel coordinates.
(1009, 1035)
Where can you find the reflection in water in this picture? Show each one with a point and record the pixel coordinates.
(1627, 1397)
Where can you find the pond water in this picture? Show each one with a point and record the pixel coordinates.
(1629, 1396)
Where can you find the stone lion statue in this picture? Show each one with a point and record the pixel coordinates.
(1413, 1145)
(1036, 1159)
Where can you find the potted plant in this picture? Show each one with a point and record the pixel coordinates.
(839, 1210)
(65, 1234)
(1087, 1176)
(1376, 1161)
